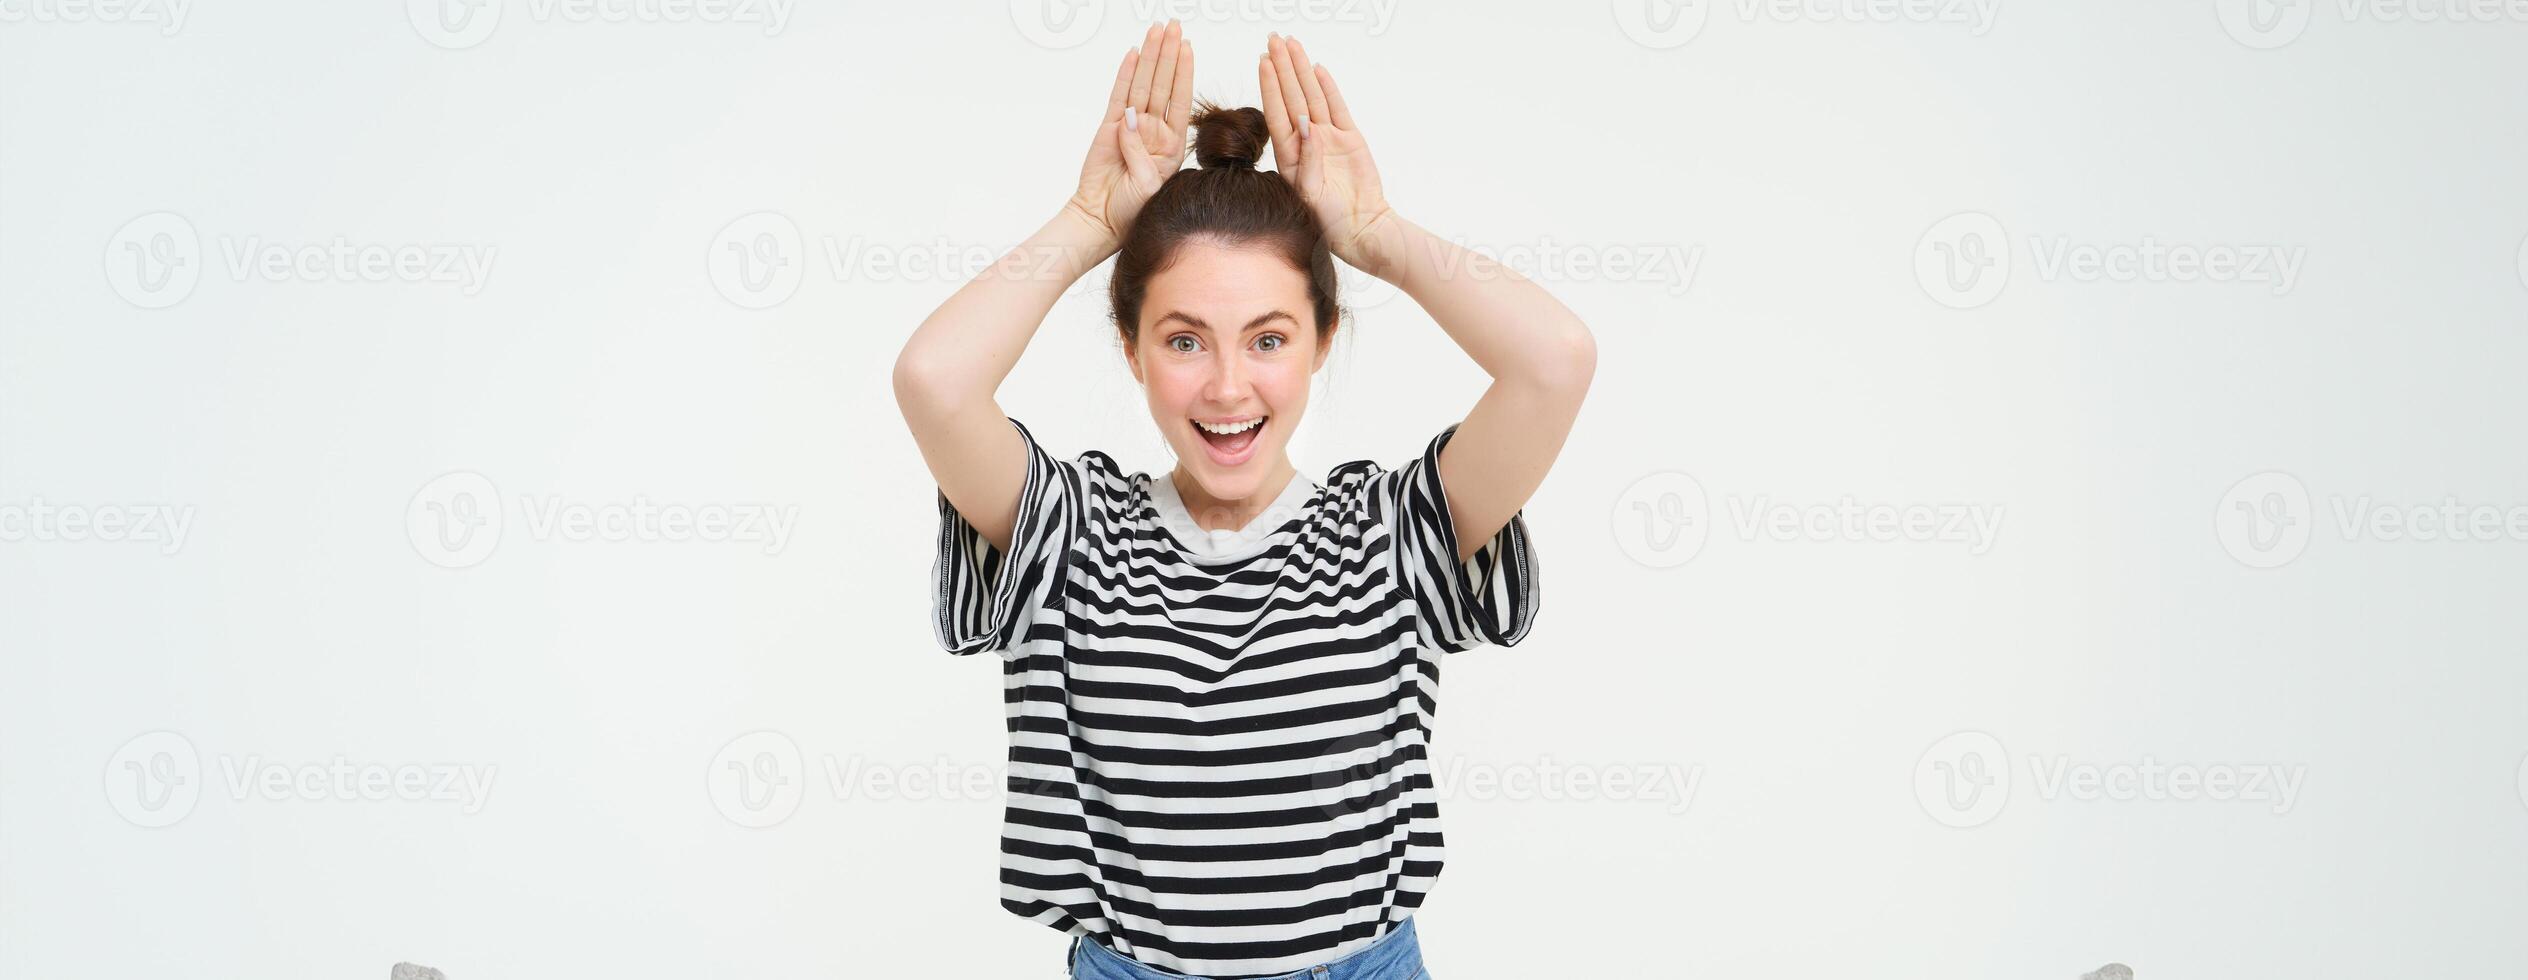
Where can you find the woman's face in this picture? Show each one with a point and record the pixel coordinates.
(1227, 337)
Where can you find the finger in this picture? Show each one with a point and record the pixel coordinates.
(1139, 97)
(1317, 108)
(1276, 120)
(1163, 79)
(1334, 99)
(1136, 158)
(1123, 85)
(1312, 156)
(1180, 105)
(1294, 98)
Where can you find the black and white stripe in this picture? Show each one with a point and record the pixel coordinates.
(1218, 765)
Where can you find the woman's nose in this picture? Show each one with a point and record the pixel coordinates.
(1227, 384)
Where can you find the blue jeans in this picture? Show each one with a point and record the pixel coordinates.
(1395, 956)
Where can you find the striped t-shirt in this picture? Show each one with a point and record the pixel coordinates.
(1219, 765)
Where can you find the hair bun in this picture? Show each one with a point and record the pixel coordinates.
(1228, 139)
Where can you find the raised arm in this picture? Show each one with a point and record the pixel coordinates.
(1540, 356)
(947, 374)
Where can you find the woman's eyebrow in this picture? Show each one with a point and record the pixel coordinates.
(1251, 324)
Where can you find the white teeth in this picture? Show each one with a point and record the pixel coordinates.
(1226, 430)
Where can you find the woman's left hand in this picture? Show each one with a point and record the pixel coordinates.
(1320, 151)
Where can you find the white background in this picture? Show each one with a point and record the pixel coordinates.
(2139, 603)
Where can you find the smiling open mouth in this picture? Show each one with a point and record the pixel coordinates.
(1230, 443)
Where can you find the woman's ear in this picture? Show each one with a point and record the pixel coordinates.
(1132, 359)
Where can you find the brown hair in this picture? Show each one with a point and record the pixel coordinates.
(1229, 201)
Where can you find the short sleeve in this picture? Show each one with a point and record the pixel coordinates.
(1489, 598)
(982, 599)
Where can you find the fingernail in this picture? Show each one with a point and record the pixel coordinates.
(1132, 120)
(1303, 126)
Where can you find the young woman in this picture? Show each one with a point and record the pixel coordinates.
(1220, 682)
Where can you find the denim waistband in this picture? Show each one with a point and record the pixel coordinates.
(1394, 956)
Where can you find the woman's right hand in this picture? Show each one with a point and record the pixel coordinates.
(1141, 142)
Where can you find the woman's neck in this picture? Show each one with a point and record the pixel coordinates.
(1215, 514)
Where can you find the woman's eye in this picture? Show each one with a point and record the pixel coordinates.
(1275, 338)
(1180, 342)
